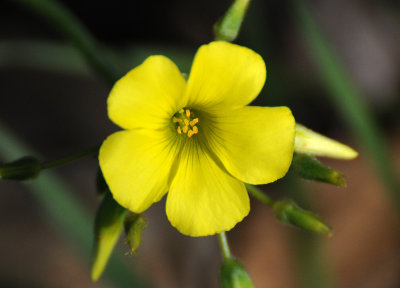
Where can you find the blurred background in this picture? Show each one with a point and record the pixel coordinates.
(54, 104)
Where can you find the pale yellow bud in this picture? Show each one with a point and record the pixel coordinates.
(313, 143)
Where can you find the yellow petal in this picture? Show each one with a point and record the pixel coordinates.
(148, 95)
(224, 76)
(136, 166)
(255, 144)
(312, 143)
(203, 199)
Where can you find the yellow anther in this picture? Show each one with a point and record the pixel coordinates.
(194, 122)
(179, 130)
(190, 133)
(176, 120)
(195, 130)
(186, 122)
(187, 113)
(185, 129)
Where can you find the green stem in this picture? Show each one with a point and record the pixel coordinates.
(60, 17)
(70, 158)
(224, 245)
(348, 100)
(259, 195)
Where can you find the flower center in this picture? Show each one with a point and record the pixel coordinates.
(185, 121)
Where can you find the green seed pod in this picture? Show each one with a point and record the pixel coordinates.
(228, 27)
(22, 169)
(134, 226)
(310, 168)
(109, 224)
(288, 212)
(233, 275)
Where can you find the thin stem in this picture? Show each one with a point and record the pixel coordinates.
(259, 195)
(60, 17)
(70, 158)
(224, 245)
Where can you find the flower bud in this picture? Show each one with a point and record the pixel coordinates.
(288, 212)
(134, 226)
(228, 27)
(22, 169)
(108, 228)
(310, 168)
(233, 275)
(312, 143)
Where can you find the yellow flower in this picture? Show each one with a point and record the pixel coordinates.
(197, 139)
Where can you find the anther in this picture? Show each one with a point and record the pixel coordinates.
(179, 130)
(195, 130)
(176, 120)
(186, 121)
(190, 133)
(185, 129)
(194, 122)
(187, 113)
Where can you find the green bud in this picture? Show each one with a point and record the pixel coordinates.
(134, 226)
(310, 168)
(22, 169)
(233, 275)
(108, 228)
(228, 27)
(288, 212)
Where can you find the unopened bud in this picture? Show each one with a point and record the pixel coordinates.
(312, 143)
(22, 169)
(108, 228)
(134, 226)
(310, 168)
(228, 27)
(288, 212)
(233, 275)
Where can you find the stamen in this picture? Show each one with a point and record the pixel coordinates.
(185, 122)
(194, 122)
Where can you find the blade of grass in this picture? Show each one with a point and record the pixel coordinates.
(348, 100)
(65, 211)
(60, 17)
